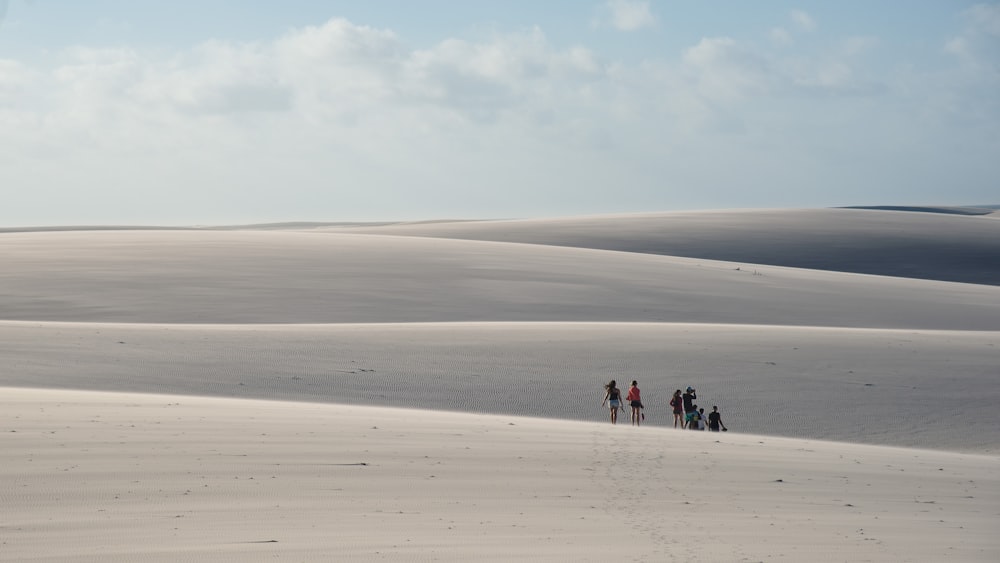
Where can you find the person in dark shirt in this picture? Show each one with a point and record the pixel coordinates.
(677, 404)
(613, 398)
(688, 398)
(715, 420)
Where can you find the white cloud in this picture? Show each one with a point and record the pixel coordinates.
(986, 18)
(977, 46)
(217, 78)
(957, 46)
(780, 36)
(859, 45)
(323, 111)
(726, 70)
(341, 121)
(14, 77)
(92, 84)
(339, 40)
(829, 76)
(630, 15)
(803, 21)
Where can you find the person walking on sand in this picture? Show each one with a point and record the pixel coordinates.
(688, 398)
(715, 421)
(678, 405)
(692, 418)
(613, 398)
(634, 399)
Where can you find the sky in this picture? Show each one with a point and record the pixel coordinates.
(141, 112)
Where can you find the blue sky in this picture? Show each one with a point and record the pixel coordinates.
(141, 112)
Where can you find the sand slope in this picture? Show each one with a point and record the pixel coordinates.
(931, 389)
(963, 248)
(289, 277)
(107, 477)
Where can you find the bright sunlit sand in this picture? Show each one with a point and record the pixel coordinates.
(107, 476)
(254, 394)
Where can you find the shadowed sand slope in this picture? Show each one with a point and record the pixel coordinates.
(947, 210)
(930, 389)
(109, 477)
(295, 277)
(937, 246)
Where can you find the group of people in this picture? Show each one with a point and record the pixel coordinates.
(613, 397)
(687, 414)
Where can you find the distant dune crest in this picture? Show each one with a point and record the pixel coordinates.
(948, 244)
(973, 210)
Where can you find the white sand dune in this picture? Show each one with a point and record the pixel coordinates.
(290, 277)
(930, 389)
(156, 478)
(925, 245)
(862, 407)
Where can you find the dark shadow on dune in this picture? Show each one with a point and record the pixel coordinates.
(949, 244)
(978, 210)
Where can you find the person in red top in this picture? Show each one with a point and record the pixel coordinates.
(678, 405)
(635, 401)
